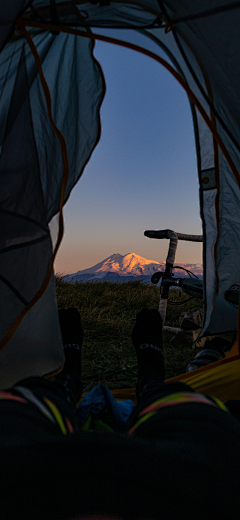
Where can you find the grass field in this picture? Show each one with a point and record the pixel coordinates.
(107, 310)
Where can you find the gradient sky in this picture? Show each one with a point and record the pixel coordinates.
(143, 173)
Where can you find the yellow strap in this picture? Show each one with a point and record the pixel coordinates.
(220, 403)
(57, 415)
(140, 421)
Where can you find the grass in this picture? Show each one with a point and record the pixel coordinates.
(107, 310)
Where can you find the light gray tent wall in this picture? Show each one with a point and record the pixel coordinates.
(31, 173)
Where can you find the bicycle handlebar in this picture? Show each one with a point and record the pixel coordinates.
(173, 241)
(167, 233)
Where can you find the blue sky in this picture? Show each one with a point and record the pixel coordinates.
(143, 173)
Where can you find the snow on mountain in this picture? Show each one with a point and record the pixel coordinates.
(131, 266)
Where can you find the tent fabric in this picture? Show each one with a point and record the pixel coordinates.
(9, 12)
(220, 379)
(201, 41)
(31, 172)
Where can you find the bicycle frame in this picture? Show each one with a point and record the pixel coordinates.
(167, 275)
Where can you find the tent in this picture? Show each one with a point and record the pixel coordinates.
(51, 89)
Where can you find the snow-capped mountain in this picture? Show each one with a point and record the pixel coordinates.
(123, 268)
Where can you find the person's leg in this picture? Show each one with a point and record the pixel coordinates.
(59, 395)
(52, 400)
(147, 340)
(148, 343)
(72, 337)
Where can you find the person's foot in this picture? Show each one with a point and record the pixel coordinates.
(147, 340)
(72, 338)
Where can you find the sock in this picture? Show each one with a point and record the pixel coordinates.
(150, 364)
(72, 337)
(147, 340)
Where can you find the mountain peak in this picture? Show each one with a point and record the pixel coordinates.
(129, 264)
(124, 266)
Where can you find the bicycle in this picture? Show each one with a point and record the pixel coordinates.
(195, 290)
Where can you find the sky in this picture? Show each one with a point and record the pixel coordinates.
(142, 174)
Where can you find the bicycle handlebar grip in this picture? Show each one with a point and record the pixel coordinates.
(167, 233)
(164, 233)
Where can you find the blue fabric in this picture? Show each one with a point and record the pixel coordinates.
(100, 403)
